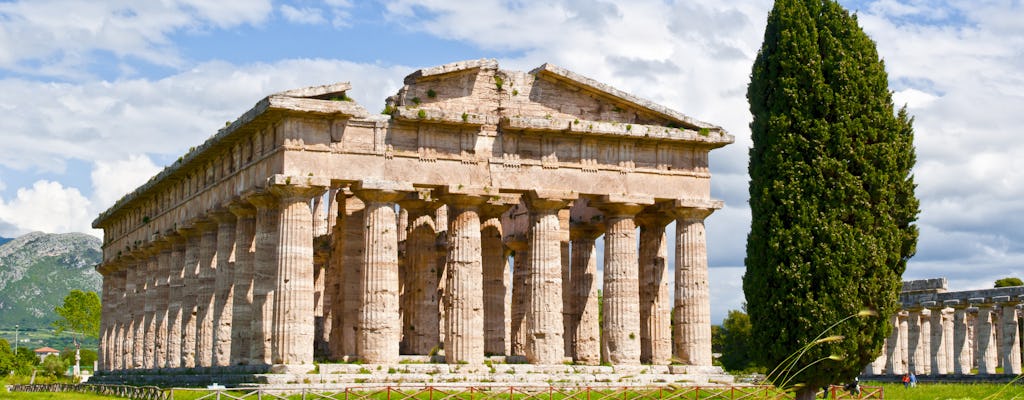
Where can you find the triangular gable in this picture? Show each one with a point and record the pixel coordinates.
(671, 117)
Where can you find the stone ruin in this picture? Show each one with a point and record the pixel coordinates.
(945, 334)
(310, 228)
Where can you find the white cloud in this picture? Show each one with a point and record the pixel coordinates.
(46, 206)
(58, 38)
(113, 179)
(105, 121)
(304, 15)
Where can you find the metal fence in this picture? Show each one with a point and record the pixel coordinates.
(448, 393)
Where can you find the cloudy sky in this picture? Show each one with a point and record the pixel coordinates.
(97, 96)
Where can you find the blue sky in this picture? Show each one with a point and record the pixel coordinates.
(97, 96)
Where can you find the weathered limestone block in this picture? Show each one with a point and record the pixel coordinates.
(655, 303)
(224, 280)
(620, 341)
(692, 309)
(207, 274)
(464, 339)
(292, 338)
(244, 252)
(379, 324)
(543, 338)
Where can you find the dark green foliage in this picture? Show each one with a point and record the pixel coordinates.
(736, 347)
(831, 194)
(80, 314)
(53, 366)
(88, 356)
(1008, 282)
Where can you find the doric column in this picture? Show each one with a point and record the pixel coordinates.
(586, 225)
(105, 313)
(517, 322)
(961, 341)
(139, 317)
(985, 332)
(947, 331)
(353, 257)
(223, 287)
(904, 342)
(568, 299)
(119, 318)
(421, 329)
(150, 297)
(915, 345)
(175, 292)
(189, 292)
(163, 273)
(620, 341)
(655, 303)
(1010, 349)
(938, 338)
(244, 263)
(692, 343)
(379, 324)
(496, 279)
(264, 275)
(292, 339)
(464, 339)
(894, 357)
(334, 280)
(543, 336)
(207, 275)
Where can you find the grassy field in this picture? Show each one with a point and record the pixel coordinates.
(940, 391)
(892, 391)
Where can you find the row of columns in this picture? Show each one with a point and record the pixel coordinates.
(954, 337)
(240, 287)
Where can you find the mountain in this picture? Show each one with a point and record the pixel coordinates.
(36, 272)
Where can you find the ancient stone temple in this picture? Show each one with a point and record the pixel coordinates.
(943, 333)
(461, 221)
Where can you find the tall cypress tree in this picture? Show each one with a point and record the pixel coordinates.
(831, 196)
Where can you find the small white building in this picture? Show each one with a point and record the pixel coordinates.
(44, 352)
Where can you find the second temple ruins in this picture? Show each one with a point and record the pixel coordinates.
(942, 333)
(460, 222)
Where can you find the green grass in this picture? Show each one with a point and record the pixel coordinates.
(948, 391)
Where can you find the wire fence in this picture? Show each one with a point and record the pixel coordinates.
(448, 393)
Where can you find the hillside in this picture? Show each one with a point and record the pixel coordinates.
(36, 272)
